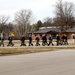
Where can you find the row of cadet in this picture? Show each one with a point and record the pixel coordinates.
(59, 40)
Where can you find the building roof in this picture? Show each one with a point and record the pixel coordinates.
(70, 30)
(47, 30)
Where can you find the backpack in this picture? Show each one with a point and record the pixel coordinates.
(50, 38)
(10, 38)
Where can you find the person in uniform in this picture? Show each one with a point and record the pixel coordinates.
(30, 40)
(43, 40)
(63, 39)
(66, 39)
(10, 41)
(22, 41)
(58, 39)
(50, 40)
(37, 41)
(1, 40)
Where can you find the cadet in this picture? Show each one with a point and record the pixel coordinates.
(46, 40)
(65, 39)
(10, 41)
(43, 40)
(37, 41)
(22, 41)
(2, 40)
(50, 40)
(74, 37)
(58, 39)
(30, 41)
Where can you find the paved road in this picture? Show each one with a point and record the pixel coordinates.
(46, 63)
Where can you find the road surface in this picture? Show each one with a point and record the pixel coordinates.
(60, 62)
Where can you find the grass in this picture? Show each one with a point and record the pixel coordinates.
(21, 50)
(34, 49)
(26, 50)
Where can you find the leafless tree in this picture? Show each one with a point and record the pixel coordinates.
(64, 15)
(4, 25)
(48, 22)
(3, 21)
(23, 21)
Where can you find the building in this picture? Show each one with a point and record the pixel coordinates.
(70, 33)
(52, 30)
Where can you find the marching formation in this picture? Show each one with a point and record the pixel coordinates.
(60, 40)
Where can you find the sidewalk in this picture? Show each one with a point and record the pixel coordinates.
(17, 44)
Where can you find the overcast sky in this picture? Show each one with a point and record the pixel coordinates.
(40, 8)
